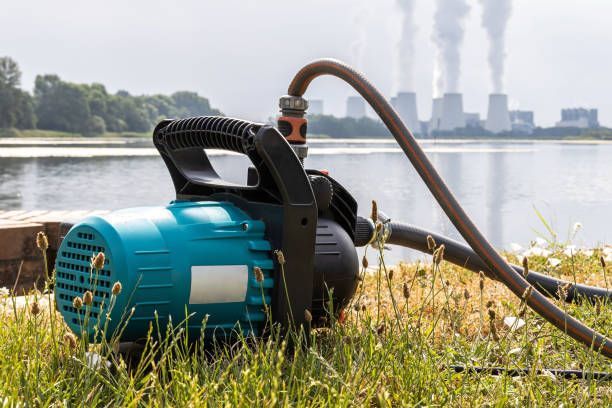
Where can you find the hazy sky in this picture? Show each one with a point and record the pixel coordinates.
(242, 54)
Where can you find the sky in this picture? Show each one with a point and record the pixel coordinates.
(242, 54)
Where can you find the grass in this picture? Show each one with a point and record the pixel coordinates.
(392, 347)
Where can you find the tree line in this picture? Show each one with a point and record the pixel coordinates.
(88, 109)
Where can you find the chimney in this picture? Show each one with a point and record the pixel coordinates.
(436, 114)
(405, 105)
(498, 117)
(452, 112)
(355, 107)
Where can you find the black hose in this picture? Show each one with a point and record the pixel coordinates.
(434, 182)
(516, 372)
(462, 255)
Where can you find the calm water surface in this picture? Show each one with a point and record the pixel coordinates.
(498, 183)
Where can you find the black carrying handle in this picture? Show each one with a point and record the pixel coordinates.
(182, 145)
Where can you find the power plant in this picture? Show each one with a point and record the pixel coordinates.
(452, 112)
(498, 118)
(436, 114)
(405, 105)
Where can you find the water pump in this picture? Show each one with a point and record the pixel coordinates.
(282, 246)
(206, 253)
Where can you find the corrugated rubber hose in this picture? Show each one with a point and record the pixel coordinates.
(505, 273)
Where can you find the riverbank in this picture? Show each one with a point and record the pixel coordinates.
(52, 134)
(33, 134)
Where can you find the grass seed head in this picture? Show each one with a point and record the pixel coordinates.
(391, 274)
(406, 290)
(116, 288)
(280, 257)
(491, 313)
(527, 293)
(493, 330)
(564, 290)
(374, 214)
(97, 262)
(87, 298)
(307, 316)
(602, 261)
(35, 308)
(481, 277)
(70, 340)
(438, 255)
(364, 262)
(431, 243)
(259, 276)
(42, 242)
(77, 302)
(466, 294)
(525, 266)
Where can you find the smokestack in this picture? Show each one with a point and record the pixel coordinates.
(452, 112)
(436, 114)
(355, 107)
(405, 105)
(498, 117)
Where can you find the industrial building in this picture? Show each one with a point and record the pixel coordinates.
(405, 105)
(355, 107)
(436, 115)
(472, 120)
(579, 118)
(522, 122)
(315, 106)
(498, 117)
(452, 112)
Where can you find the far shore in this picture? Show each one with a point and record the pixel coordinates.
(10, 137)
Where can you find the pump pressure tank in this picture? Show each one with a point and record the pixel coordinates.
(193, 259)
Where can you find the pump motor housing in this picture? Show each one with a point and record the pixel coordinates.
(196, 262)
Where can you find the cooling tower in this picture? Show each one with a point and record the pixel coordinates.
(355, 107)
(405, 105)
(436, 114)
(498, 117)
(452, 112)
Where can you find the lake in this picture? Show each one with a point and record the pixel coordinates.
(499, 183)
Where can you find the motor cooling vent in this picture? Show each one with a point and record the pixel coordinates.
(74, 276)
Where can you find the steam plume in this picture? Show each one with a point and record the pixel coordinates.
(357, 47)
(495, 16)
(405, 48)
(447, 36)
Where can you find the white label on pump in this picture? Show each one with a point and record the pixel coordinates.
(218, 284)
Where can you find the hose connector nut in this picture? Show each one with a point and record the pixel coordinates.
(293, 105)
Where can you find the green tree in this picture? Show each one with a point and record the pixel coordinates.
(61, 105)
(16, 108)
(191, 104)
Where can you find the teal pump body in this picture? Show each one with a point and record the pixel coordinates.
(189, 260)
